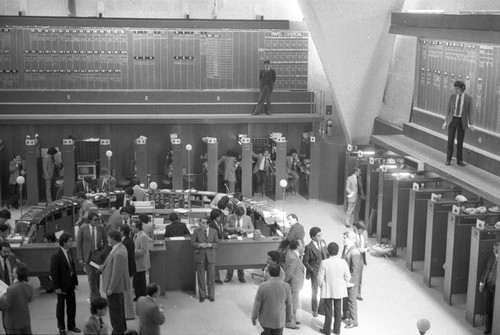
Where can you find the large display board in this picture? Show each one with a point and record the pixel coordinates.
(106, 58)
(440, 63)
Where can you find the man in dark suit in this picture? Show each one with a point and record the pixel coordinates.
(263, 170)
(90, 241)
(267, 77)
(205, 242)
(14, 303)
(84, 185)
(116, 281)
(7, 263)
(487, 286)
(294, 275)
(273, 303)
(314, 253)
(176, 228)
(150, 314)
(216, 222)
(458, 119)
(129, 244)
(354, 260)
(296, 232)
(62, 271)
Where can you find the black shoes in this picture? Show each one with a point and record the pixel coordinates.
(202, 299)
(74, 330)
(461, 163)
(360, 298)
(218, 281)
(227, 280)
(212, 299)
(62, 332)
(447, 163)
(242, 280)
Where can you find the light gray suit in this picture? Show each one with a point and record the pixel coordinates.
(294, 275)
(273, 304)
(150, 316)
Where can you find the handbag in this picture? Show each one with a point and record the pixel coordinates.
(321, 307)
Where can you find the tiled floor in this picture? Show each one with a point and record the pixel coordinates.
(394, 298)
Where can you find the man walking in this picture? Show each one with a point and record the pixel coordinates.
(273, 303)
(351, 188)
(354, 260)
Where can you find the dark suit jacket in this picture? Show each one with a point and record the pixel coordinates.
(355, 262)
(313, 257)
(486, 269)
(267, 78)
(13, 263)
(200, 254)
(130, 245)
(61, 272)
(176, 228)
(219, 228)
(14, 305)
(467, 111)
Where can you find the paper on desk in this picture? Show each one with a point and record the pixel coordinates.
(3, 287)
(177, 238)
(239, 238)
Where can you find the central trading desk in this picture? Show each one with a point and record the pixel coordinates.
(173, 267)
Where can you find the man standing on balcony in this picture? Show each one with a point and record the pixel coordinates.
(267, 77)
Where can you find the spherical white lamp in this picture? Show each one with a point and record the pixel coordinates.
(423, 326)
(153, 185)
(109, 153)
(283, 183)
(20, 180)
(189, 147)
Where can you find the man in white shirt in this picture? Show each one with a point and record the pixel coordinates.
(351, 188)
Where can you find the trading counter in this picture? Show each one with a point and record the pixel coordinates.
(172, 261)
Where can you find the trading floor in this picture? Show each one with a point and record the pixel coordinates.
(394, 298)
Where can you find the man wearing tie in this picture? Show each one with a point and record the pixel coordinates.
(351, 188)
(267, 77)
(294, 275)
(205, 242)
(8, 264)
(84, 185)
(487, 286)
(314, 253)
(458, 119)
(239, 224)
(62, 271)
(90, 240)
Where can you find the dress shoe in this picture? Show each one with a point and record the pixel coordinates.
(268, 112)
(447, 163)
(293, 327)
(202, 299)
(212, 299)
(350, 325)
(315, 315)
(242, 280)
(227, 280)
(297, 322)
(461, 163)
(322, 332)
(360, 298)
(74, 330)
(487, 332)
(62, 332)
(218, 281)
(50, 290)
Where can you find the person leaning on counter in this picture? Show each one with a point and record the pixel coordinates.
(177, 228)
(239, 224)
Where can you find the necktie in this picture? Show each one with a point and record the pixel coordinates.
(6, 273)
(92, 236)
(101, 324)
(459, 103)
(70, 261)
(206, 235)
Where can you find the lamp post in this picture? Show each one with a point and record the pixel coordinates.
(283, 184)
(20, 180)
(109, 153)
(189, 147)
(423, 326)
(153, 186)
